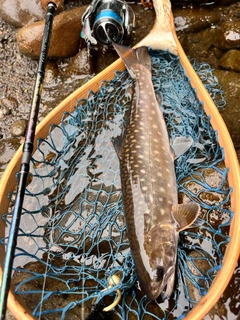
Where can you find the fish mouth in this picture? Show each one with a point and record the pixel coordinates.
(163, 288)
(168, 284)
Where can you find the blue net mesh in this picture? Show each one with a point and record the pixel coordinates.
(72, 235)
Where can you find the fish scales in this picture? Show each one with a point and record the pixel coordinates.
(148, 180)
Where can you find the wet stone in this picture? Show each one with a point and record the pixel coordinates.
(194, 20)
(18, 128)
(21, 12)
(65, 36)
(230, 82)
(227, 35)
(4, 111)
(231, 61)
(9, 103)
(80, 64)
(51, 72)
(8, 147)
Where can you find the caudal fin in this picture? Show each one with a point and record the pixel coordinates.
(132, 57)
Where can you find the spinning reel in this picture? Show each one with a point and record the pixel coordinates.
(105, 21)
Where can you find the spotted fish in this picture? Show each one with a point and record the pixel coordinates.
(152, 213)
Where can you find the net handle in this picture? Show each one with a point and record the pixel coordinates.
(233, 249)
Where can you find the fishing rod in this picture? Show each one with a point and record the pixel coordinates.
(51, 6)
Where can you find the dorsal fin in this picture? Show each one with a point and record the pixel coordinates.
(185, 214)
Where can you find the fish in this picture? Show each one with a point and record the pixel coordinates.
(149, 189)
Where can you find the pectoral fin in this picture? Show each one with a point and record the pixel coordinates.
(185, 214)
(180, 145)
(118, 143)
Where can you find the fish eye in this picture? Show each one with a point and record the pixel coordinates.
(158, 274)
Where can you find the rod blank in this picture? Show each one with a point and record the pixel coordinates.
(25, 163)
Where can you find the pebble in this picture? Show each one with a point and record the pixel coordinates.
(18, 128)
(21, 12)
(65, 36)
(51, 72)
(6, 105)
(8, 147)
(3, 112)
(9, 102)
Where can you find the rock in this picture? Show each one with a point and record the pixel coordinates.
(230, 61)
(51, 72)
(227, 35)
(230, 82)
(21, 12)
(194, 20)
(65, 37)
(6, 105)
(18, 128)
(80, 64)
(9, 103)
(8, 147)
(3, 112)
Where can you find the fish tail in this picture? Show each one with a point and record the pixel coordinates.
(132, 57)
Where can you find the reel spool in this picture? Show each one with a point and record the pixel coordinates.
(105, 21)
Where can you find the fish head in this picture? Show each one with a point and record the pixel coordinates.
(162, 262)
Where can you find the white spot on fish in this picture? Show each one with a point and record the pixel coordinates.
(162, 189)
(162, 211)
(144, 188)
(160, 199)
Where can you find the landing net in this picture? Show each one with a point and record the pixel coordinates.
(72, 235)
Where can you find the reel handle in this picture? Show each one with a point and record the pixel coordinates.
(58, 3)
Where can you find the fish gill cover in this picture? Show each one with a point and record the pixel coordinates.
(73, 237)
